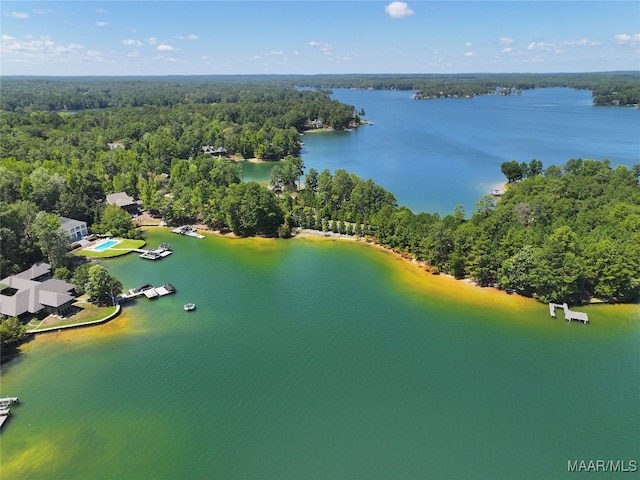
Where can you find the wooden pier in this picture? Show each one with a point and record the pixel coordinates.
(569, 315)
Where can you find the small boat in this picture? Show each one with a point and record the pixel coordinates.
(190, 306)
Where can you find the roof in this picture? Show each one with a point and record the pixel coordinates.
(31, 296)
(121, 199)
(36, 270)
(69, 223)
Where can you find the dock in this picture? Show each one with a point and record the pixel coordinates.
(162, 251)
(149, 291)
(187, 230)
(5, 403)
(569, 315)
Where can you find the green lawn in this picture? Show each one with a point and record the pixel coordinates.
(88, 313)
(125, 246)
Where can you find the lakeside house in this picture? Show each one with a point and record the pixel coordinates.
(214, 152)
(124, 201)
(76, 230)
(34, 290)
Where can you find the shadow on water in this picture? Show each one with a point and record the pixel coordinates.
(12, 352)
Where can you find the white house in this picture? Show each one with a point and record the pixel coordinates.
(75, 229)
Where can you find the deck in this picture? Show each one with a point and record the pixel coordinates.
(569, 315)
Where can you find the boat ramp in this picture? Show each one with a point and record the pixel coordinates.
(569, 315)
(5, 411)
(148, 291)
(187, 230)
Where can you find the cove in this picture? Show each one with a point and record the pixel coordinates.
(320, 359)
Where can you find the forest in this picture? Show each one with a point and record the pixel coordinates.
(561, 233)
(27, 94)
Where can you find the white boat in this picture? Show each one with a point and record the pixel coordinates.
(189, 307)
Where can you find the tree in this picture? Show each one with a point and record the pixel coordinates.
(81, 278)
(52, 240)
(116, 222)
(512, 170)
(535, 168)
(11, 331)
(292, 170)
(311, 180)
(102, 288)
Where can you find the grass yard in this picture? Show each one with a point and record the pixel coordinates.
(87, 312)
(125, 246)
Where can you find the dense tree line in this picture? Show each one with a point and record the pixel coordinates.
(27, 94)
(565, 233)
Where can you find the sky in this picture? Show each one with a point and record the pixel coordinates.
(210, 37)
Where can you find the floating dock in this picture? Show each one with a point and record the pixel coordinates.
(162, 251)
(569, 315)
(5, 403)
(187, 230)
(150, 292)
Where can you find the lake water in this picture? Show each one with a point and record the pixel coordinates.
(316, 359)
(436, 154)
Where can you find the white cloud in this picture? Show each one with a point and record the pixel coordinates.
(583, 42)
(341, 59)
(506, 40)
(507, 50)
(468, 44)
(39, 11)
(625, 38)
(275, 52)
(325, 48)
(20, 15)
(163, 47)
(132, 43)
(151, 40)
(101, 24)
(398, 10)
(469, 54)
(191, 36)
(43, 50)
(539, 46)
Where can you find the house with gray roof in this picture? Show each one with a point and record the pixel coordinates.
(124, 201)
(75, 229)
(33, 291)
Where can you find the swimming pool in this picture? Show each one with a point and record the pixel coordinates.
(105, 245)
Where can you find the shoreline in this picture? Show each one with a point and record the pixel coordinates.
(422, 267)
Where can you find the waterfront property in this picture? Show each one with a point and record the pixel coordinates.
(75, 229)
(124, 201)
(33, 291)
